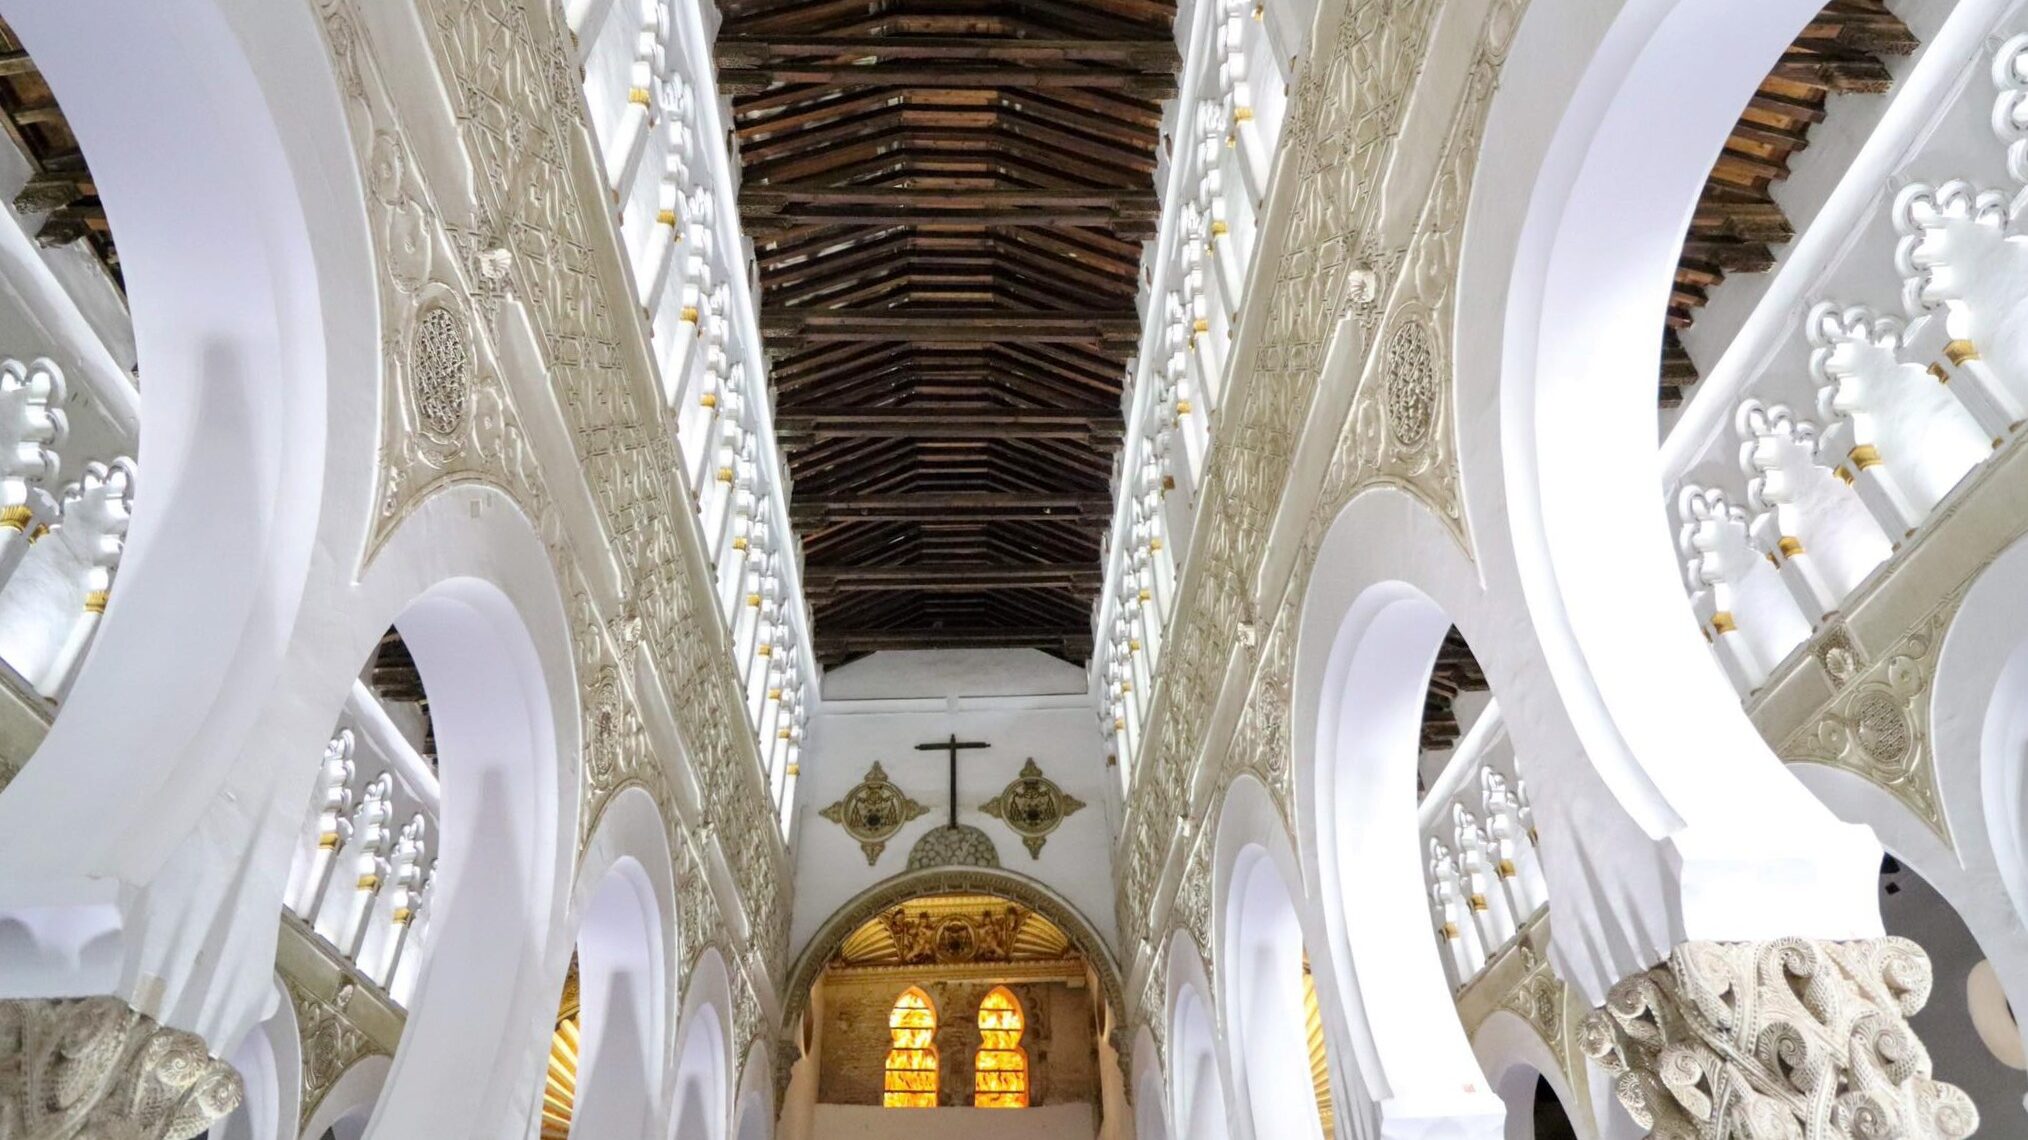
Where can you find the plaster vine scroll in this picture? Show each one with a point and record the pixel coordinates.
(1785, 1040)
(98, 1067)
(958, 845)
(873, 811)
(1033, 806)
(332, 1043)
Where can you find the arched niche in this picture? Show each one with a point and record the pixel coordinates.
(269, 1059)
(1151, 1091)
(754, 1106)
(1261, 949)
(226, 166)
(1390, 585)
(1978, 715)
(1009, 885)
(348, 1104)
(625, 914)
(1197, 1103)
(479, 1018)
(1520, 1066)
(700, 1105)
(1598, 142)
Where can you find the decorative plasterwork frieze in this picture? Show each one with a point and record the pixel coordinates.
(1337, 261)
(873, 811)
(96, 1066)
(1032, 807)
(529, 229)
(1519, 979)
(1877, 725)
(1784, 1039)
(332, 1042)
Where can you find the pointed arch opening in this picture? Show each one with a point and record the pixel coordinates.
(1000, 1068)
(912, 1052)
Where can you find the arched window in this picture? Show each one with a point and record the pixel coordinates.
(911, 1058)
(1001, 1068)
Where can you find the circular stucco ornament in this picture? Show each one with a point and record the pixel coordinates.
(440, 371)
(1883, 730)
(1410, 373)
(959, 846)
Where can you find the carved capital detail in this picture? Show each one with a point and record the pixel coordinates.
(96, 1067)
(1785, 1040)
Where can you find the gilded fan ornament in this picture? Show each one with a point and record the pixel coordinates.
(873, 811)
(1032, 806)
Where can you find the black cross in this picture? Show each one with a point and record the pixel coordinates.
(952, 745)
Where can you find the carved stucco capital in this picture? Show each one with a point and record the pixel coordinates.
(95, 1067)
(1784, 1040)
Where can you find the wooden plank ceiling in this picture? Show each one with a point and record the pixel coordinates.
(948, 200)
(1738, 222)
(60, 185)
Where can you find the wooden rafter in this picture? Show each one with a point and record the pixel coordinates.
(60, 186)
(1738, 223)
(948, 200)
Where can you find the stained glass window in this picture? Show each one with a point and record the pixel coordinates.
(911, 1058)
(1001, 1067)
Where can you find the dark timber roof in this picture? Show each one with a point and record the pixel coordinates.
(1738, 222)
(60, 185)
(948, 200)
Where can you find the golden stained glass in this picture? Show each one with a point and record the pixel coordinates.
(1320, 1061)
(911, 1055)
(1001, 1067)
(559, 1094)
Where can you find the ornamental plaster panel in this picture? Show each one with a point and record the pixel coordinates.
(1334, 263)
(533, 235)
(1520, 980)
(332, 1041)
(1877, 726)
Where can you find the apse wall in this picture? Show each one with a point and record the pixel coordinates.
(1023, 703)
(1050, 1122)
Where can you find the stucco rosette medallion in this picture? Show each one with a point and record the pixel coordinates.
(1032, 807)
(873, 811)
(1783, 1040)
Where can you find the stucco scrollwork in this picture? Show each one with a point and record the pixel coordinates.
(521, 228)
(1877, 726)
(1783, 1040)
(1033, 807)
(331, 1042)
(98, 1067)
(1340, 260)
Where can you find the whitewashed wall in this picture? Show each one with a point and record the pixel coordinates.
(1022, 702)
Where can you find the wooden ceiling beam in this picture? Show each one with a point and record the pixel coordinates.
(962, 327)
(949, 577)
(979, 506)
(738, 81)
(833, 643)
(1154, 56)
(948, 423)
